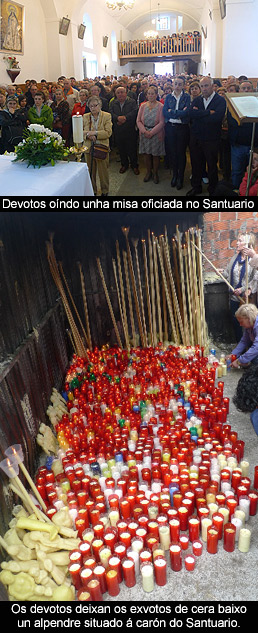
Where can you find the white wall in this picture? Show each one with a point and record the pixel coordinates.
(240, 50)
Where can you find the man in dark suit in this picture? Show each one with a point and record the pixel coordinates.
(124, 111)
(206, 114)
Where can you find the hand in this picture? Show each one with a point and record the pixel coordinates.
(212, 111)
(121, 119)
(238, 292)
(147, 134)
(195, 108)
(248, 252)
(228, 357)
(235, 364)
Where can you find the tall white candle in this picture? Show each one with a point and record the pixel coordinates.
(244, 468)
(244, 504)
(164, 537)
(113, 517)
(147, 577)
(205, 524)
(240, 514)
(244, 540)
(238, 525)
(77, 124)
(135, 557)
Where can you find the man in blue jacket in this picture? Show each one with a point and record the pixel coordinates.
(206, 113)
(176, 113)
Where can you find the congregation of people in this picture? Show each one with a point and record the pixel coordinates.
(162, 118)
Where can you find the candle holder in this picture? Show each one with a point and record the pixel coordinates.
(77, 150)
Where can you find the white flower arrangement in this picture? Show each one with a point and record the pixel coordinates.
(41, 146)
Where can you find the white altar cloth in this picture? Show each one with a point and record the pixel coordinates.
(62, 179)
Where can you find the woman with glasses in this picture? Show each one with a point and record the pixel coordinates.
(97, 128)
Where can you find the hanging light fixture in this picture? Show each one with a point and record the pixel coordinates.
(120, 4)
(150, 35)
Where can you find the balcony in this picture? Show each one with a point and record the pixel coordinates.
(161, 49)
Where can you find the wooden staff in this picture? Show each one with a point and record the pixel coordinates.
(145, 262)
(109, 303)
(170, 309)
(135, 244)
(156, 275)
(122, 291)
(120, 304)
(181, 268)
(175, 266)
(80, 348)
(152, 285)
(189, 296)
(196, 293)
(201, 290)
(164, 300)
(191, 284)
(131, 270)
(86, 313)
(219, 273)
(246, 270)
(72, 301)
(165, 246)
(175, 299)
(129, 298)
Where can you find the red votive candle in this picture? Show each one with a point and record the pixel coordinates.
(50, 512)
(212, 540)
(256, 477)
(112, 582)
(75, 556)
(190, 562)
(132, 527)
(94, 516)
(128, 569)
(83, 595)
(236, 478)
(122, 485)
(245, 481)
(177, 499)
(183, 518)
(99, 573)
(80, 526)
(125, 509)
(141, 532)
(110, 540)
(253, 496)
(145, 556)
(82, 497)
(218, 522)
(194, 528)
(160, 571)
(74, 571)
(121, 526)
(229, 537)
(174, 526)
(151, 541)
(96, 545)
(95, 590)
(231, 504)
(184, 541)
(153, 528)
(86, 575)
(115, 563)
(89, 562)
(175, 553)
(197, 548)
(125, 538)
(85, 549)
(120, 550)
(98, 530)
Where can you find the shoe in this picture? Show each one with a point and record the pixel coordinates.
(174, 181)
(194, 192)
(147, 177)
(205, 180)
(179, 184)
(136, 171)
(156, 179)
(122, 170)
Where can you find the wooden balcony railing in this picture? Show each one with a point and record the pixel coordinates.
(174, 46)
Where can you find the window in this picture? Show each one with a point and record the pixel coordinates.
(163, 24)
(88, 37)
(164, 68)
(90, 66)
(113, 47)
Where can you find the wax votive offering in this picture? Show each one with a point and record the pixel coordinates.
(190, 562)
(112, 582)
(175, 552)
(229, 537)
(212, 540)
(197, 548)
(147, 573)
(128, 569)
(244, 540)
(160, 571)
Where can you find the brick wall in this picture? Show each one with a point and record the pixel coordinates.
(220, 231)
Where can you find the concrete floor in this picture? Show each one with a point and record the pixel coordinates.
(223, 576)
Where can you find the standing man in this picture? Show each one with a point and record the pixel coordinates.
(176, 113)
(240, 137)
(207, 112)
(70, 94)
(124, 111)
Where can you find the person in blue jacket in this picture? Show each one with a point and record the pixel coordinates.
(176, 113)
(240, 140)
(206, 113)
(246, 350)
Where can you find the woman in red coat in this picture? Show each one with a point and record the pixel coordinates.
(253, 189)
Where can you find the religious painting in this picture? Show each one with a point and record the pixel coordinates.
(81, 31)
(64, 26)
(222, 6)
(11, 27)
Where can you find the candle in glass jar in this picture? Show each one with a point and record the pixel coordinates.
(83, 595)
(74, 571)
(190, 562)
(229, 537)
(120, 550)
(225, 511)
(218, 522)
(253, 496)
(145, 556)
(115, 563)
(197, 548)
(194, 528)
(244, 505)
(125, 509)
(125, 538)
(240, 514)
(137, 544)
(175, 552)
(183, 518)
(147, 574)
(85, 549)
(113, 517)
(244, 540)
(184, 541)
(256, 477)
(86, 575)
(112, 582)
(160, 571)
(96, 546)
(212, 540)
(238, 525)
(134, 556)
(128, 568)
(164, 536)
(99, 572)
(104, 556)
(153, 528)
(205, 523)
(244, 465)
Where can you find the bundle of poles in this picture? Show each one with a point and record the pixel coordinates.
(160, 292)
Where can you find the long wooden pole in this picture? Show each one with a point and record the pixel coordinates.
(164, 300)
(152, 285)
(176, 273)
(135, 244)
(181, 268)
(175, 299)
(72, 301)
(145, 262)
(201, 290)
(122, 291)
(129, 298)
(131, 271)
(86, 313)
(192, 303)
(196, 293)
(218, 272)
(109, 303)
(170, 309)
(156, 274)
(189, 296)
(120, 304)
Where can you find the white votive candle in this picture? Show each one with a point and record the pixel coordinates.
(147, 573)
(113, 517)
(164, 537)
(238, 525)
(244, 468)
(244, 540)
(225, 511)
(239, 514)
(136, 559)
(244, 504)
(77, 124)
(213, 507)
(205, 524)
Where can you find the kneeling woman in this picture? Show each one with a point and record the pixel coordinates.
(151, 126)
(97, 128)
(247, 349)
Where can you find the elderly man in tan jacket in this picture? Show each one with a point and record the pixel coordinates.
(97, 128)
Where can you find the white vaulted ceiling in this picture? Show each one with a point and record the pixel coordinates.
(134, 18)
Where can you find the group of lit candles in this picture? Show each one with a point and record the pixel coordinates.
(152, 471)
